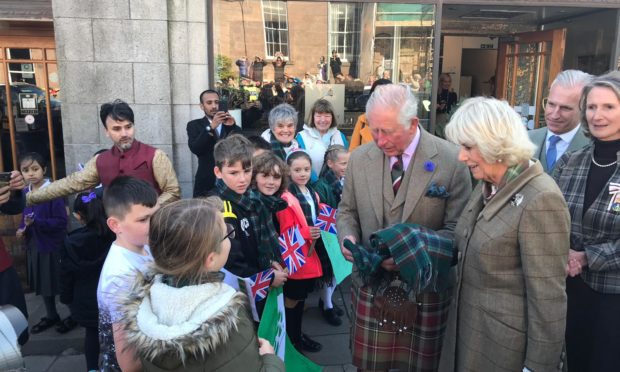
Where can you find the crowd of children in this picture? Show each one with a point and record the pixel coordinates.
(145, 281)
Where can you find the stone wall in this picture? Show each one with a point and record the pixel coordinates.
(150, 53)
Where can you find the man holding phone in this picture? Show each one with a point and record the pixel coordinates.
(203, 134)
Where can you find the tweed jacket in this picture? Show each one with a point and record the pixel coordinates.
(597, 231)
(509, 308)
(539, 138)
(361, 210)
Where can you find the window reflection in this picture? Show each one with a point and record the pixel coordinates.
(330, 50)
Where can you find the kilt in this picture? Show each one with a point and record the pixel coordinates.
(418, 349)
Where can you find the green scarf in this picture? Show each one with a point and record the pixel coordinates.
(303, 202)
(423, 257)
(334, 184)
(277, 147)
(489, 190)
(261, 220)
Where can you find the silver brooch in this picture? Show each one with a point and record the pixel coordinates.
(516, 200)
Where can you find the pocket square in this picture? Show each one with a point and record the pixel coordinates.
(437, 191)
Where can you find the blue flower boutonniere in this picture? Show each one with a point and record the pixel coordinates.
(437, 191)
(429, 166)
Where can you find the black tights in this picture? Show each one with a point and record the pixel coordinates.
(91, 348)
(293, 322)
(50, 306)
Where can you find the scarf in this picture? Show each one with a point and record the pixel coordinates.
(277, 147)
(303, 202)
(260, 218)
(489, 190)
(334, 184)
(423, 257)
(273, 203)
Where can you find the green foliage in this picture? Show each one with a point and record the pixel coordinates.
(224, 68)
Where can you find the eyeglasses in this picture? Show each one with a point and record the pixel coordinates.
(230, 232)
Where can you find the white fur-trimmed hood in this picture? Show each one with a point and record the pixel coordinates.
(190, 321)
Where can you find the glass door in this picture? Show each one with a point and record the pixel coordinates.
(527, 64)
(30, 108)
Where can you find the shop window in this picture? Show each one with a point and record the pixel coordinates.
(276, 28)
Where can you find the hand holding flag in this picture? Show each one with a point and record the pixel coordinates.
(326, 220)
(291, 243)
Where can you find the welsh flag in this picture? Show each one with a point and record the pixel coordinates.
(272, 327)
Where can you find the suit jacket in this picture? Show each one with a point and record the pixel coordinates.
(201, 142)
(363, 208)
(509, 308)
(539, 137)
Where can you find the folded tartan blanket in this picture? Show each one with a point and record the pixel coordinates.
(422, 255)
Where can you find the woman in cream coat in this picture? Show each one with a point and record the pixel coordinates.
(509, 309)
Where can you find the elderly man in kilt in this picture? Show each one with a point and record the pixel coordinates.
(406, 175)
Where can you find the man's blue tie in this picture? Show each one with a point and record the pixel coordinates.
(552, 151)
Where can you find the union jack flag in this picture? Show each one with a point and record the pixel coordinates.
(326, 220)
(259, 284)
(291, 243)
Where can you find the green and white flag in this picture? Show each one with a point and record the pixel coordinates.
(272, 327)
(342, 268)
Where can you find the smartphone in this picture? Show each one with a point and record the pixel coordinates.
(223, 106)
(5, 178)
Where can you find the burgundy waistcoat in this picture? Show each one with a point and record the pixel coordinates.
(136, 162)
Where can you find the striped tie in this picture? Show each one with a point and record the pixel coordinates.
(397, 173)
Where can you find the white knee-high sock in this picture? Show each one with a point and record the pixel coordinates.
(326, 295)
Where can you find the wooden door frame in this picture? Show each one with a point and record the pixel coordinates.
(557, 37)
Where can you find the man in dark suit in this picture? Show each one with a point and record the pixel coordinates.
(562, 115)
(203, 133)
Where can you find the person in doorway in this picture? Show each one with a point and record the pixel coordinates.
(203, 134)
(562, 116)
(446, 102)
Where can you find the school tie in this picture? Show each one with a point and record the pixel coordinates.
(397, 173)
(552, 151)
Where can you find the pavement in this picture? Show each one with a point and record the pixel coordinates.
(50, 351)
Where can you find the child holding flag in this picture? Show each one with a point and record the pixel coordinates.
(180, 316)
(254, 249)
(329, 187)
(300, 168)
(295, 244)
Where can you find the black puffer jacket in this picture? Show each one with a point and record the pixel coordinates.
(82, 257)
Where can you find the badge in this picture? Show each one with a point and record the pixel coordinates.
(614, 203)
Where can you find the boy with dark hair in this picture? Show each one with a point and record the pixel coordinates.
(129, 203)
(260, 145)
(254, 247)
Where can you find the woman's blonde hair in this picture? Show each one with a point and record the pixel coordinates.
(494, 127)
(610, 80)
(183, 234)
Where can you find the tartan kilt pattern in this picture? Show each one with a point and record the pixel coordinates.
(417, 349)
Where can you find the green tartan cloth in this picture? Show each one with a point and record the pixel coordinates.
(422, 255)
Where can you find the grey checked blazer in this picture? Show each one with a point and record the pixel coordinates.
(598, 231)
